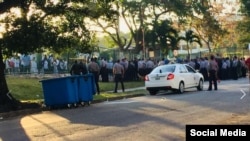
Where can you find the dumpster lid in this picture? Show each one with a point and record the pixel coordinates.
(64, 77)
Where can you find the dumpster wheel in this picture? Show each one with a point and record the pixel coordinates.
(85, 103)
(88, 103)
(75, 105)
(69, 105)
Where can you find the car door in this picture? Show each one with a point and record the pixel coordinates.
(188, 79)
(191, 73)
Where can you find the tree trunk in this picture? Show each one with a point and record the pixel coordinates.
(209, 48)
(188, 49)
(7, 101)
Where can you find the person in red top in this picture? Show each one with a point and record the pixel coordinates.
(247, 62)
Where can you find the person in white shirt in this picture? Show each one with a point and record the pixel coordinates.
(26, 63)
(161, 62)
(7, 66)
(55, 68)
(110, 69)
(149, 66)
(33, 66)
(17, 65)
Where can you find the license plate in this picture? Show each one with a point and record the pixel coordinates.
(157, 78)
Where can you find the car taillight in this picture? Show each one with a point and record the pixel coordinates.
(146, 78)
(170, 76)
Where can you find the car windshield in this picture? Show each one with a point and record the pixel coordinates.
(164, 68)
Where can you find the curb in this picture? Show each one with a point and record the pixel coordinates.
(117, 98)
(29, 111)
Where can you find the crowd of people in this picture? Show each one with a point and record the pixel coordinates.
(28, 64)
(136, 69)
(228, 68)
(132, 70)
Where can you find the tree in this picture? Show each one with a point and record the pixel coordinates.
(141, 16)
(243, 27)
(245, 7)
(209, 30)
(190, 38)
(164, 36)
(42, 24)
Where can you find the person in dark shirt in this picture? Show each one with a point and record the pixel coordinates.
(83, 68)
(75, 69)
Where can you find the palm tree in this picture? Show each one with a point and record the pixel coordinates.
(164, 35)
(190, 38)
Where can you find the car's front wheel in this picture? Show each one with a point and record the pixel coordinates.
(152, 92)
(181, 88)
(200, 86)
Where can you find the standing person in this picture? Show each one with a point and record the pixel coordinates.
(45, 64)
(161, 62)
(104, 70)
(61, 66)
(95, 70)
(247, 62)
(7, 66)
(235, 68)
(83, 68)
(17, 65)
(33, 66)
(212, 73)
(224, 70)
(26, 63)
(55, 68)
(243, 67)
(118, 71)
(149, 65)
(203, 68)
(75, 69)
(12, 65)
(65, 64)
(110, 70)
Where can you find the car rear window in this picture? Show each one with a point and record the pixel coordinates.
(163, 69)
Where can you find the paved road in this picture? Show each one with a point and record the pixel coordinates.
(148, 118)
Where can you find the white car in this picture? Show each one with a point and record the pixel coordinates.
(177, 77)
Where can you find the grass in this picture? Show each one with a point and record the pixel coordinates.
(30, 89)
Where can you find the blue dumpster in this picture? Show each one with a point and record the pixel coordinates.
(60, 91)
(86, 88)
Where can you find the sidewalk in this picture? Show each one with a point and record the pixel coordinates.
(130, 89)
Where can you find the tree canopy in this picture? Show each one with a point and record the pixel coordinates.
(245, 7)
(243, 26)
(142, 16)
(48, 24)
(33, 25)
